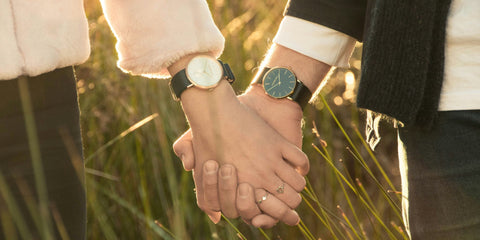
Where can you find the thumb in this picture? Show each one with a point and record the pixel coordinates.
(183, 148)
(214, 216)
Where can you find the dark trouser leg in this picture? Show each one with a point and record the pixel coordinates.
(55, 106)
(441, 177)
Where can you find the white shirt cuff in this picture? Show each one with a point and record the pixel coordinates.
(315, 41)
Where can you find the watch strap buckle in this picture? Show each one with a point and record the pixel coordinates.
(227, 72)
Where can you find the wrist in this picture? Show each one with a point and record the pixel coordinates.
(200, 87)
(205, 106)
(306, 69)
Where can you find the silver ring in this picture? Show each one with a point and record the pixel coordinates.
(263, 198)
(281, 188)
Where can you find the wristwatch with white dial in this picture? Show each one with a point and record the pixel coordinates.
(202, 71)
(280, 82)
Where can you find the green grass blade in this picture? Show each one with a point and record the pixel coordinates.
(234, 227)
(400, 231)
(384, 192)
(137, 213)
(121, 135)
(375, 160)
(375, 214)
(306, 232)
(347, 137)
(324, 219)
(354, 211)
(264, 233)
(13, 209)
(351, 208)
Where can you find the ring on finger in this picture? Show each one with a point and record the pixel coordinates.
(281, 188)
(263, 198)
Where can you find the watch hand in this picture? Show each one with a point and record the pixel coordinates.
(204, 68)
(274, 85)
(275, 80)
(209, 68)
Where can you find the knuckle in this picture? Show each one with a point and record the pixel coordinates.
(213, 206)
(210, 187)
(247, 211)
(226, 187)
(283, 213)
(244, 207)
(210, 181)
(293, 200)
(231, 214)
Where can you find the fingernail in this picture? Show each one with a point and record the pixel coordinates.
(243, 191)
(211, 168)
(226, 171)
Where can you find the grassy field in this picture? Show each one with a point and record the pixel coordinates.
(137, 188)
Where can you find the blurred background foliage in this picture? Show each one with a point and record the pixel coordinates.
(136, 186)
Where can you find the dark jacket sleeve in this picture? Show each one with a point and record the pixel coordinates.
(346, 16)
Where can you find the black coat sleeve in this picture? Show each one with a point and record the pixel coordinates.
(346, 16)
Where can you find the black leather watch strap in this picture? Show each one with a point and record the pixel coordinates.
(227, 72)
(180, 82)
(301, 94)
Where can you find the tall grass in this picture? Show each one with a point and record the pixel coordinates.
(137, 188)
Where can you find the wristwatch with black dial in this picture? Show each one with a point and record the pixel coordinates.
(202, 71)
(279, 82)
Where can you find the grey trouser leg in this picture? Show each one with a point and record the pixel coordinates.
(441, 177)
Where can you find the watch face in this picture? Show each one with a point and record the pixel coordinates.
(204, 71)
(279, 82)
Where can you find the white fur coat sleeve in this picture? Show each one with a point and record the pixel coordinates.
(39, 36)
(152, 34)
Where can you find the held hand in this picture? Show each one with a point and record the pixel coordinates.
(285, 116)
(282, 115)
(258, 157)
(221, 192)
